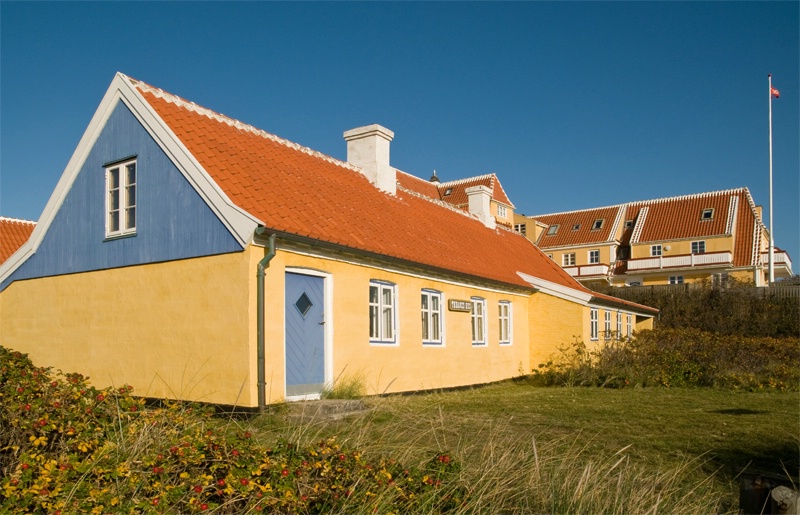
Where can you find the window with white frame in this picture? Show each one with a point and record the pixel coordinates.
(629, 325)
(707, 214)
(550, 255)
(593, 323)
(521, 228)
(628, 224)
(594, 257)
(619, 324)
(501, 211)
(568, 259)
(607, 320)
(121, 198)
(504, 316)
(655, 250)
(698, 247)
(432, 316)
(382, 314)
(598, 224)
(552, 229)
(478, 321)
(676, 279)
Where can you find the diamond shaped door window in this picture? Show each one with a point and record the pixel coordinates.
(303, 304)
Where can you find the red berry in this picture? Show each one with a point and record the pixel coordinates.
(54, 384)
(20, 389)
(101, 397)
(284, 472)
(198, 489)
(235, 452)
(244, 481)
(204, 506)
(221, 482)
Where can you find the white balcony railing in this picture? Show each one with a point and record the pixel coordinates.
(778, 258)
(685, 260)
(586, 270)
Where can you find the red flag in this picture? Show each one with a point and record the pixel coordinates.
(775, 92)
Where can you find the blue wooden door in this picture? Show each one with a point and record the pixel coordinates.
(305, 334)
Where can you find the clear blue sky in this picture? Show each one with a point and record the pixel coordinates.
(573, 105)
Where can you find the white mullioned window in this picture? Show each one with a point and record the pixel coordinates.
(504, 316)
(593, 323)
(607, 320)
(676, 279)
(594, 256)
(619, 324)
(501, 211)
(432, 316)
(699, 247)
(629, 323)
(382, 313)
(478, 313)
(568, 259)
(655, 250)
(121, 198)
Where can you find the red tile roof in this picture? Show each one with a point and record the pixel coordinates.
(457, 190)
(13, 234)
(567, 234)
(295, 190)
(667, 219)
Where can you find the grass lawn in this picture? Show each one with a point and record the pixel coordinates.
(711, 435)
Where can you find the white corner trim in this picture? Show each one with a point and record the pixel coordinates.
(557, 290)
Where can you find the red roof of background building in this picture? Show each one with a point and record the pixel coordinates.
(13, 234)
(584, 221)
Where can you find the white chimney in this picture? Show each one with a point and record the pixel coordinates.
(480, 198)
(368, 148)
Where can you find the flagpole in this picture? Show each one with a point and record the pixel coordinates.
(771, 238)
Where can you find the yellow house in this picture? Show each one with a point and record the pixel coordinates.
(196, 257)
(673, 240)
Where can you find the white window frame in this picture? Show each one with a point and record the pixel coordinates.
(699, 247)
(593, 324)
(502, 212)
(505, 313)
(432, 311)
(521, 228)
(120, 202)
(550, 255)
(607, 321)
(707, 214)
(568, 259)
(676, 279)
(629, 324)
(478, 319)
(656, 250)
(382, 314)
(553, 229)
(598, 224)
(619, 324)
(594, 257)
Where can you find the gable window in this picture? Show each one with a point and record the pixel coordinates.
(629, 325)
(598, 224)
(698, 247)
(619, 324)
(707, 214)
(504, 314)
(607, 320)
(478, 321)
(628, 224)
(121, 199)
(501, 211)
(431, 306)
(676, 279)
(382, 319)
(594, 256)
(552, 229)
(568, 259)
(520, 228)
(593, 323)
(655, 250)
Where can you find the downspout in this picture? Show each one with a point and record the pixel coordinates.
(261, 272)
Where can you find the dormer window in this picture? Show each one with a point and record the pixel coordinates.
(707, 214)
(501, 211)
(576, 227)
(597, 224)
(552, 230)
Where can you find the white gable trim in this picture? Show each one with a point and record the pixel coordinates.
(240, 223)
(557, 290)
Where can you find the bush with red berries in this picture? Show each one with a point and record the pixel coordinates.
(67, 447)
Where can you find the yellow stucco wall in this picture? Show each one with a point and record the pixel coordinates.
(683, 247)
(180, 329)
(409, 365)
(554, 323)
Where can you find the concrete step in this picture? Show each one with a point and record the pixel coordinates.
(325, 409)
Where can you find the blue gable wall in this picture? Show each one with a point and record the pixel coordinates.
(172, 220)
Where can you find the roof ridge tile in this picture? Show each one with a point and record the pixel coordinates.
(465, 180)
(16, 220)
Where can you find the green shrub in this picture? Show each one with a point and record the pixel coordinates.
(678, 357)
(66, 447)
